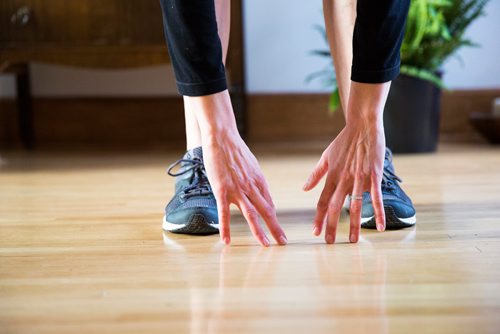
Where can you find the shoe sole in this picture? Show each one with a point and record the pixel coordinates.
(392, 222)
(197, 225)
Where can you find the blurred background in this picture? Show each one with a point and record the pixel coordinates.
(96, 74)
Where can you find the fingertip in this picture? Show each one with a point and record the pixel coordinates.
(282, 240)
(316, 231)
(380, 221)
(329, 239)
(265, 242)
(226, 240)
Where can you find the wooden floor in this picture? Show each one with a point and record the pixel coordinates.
(82, 250)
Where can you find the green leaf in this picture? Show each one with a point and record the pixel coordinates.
(321, 53)
(334, 102)
(423, 74)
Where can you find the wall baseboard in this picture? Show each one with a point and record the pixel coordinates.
(159, 122)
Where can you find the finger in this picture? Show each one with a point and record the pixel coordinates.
(322, 206)
(264, 191)
(378, 203)
(268, 213)
(224, 220)
(334, 209)
(317, 174)
(251, 216)
(355, 209)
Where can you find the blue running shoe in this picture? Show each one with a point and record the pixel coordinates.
(399, 210)
(193, 209)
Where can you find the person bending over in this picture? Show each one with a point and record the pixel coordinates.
(218, 168)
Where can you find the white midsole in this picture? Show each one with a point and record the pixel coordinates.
(410, 220)
(166, 225)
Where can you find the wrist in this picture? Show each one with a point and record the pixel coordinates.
(366, 118)
(216, 123)
(214, 113)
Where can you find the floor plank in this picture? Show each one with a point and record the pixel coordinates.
(81, 250)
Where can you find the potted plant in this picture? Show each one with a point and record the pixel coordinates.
(434, 32)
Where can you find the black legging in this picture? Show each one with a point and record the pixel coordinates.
(196, 52)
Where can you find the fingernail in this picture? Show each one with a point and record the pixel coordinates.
(226, 240)
(329, 239)
(316, 231)
(266, 241)
(352, 238)
(283, 240)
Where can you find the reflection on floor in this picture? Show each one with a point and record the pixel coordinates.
(81, 250)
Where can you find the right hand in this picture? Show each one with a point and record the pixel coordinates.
(234, 173)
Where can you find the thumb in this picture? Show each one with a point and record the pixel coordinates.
(317, 174)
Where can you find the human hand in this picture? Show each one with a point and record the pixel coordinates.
(353, 163)
(234, 173)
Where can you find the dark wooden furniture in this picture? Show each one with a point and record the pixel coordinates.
(487, 124)
(97, 34)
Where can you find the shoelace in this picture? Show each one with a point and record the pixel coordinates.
(389, 178)
(199, 181)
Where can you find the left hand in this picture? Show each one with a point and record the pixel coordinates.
(353, 163)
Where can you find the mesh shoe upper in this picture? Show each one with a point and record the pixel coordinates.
(392, 193)
(193, 193)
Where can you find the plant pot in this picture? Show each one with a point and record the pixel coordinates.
(411, 116)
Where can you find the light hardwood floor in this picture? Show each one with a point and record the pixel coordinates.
(82, 250)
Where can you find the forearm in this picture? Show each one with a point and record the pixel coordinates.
(366, 103)
(340, 16)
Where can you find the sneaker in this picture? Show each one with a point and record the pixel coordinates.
(193, 209)
(399, 210)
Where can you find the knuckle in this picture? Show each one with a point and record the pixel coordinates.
(331, 226)
(268, 213)
(317, 171)
(322, 204)
(348, 176)
(251, 213)
(334, 207)
(219, 190)
(261, 180)
(223, 215)
(361, 176)
(268, 204)
(356, 206)
(375, 175)
(246, 184)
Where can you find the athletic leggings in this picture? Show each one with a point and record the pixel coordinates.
(196, 52)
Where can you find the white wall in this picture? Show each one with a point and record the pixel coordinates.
(279, 35)
(481, 66)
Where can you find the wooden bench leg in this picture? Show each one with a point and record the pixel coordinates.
(24, 105)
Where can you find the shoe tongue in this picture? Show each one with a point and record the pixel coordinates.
(194, 153)
(388, 160)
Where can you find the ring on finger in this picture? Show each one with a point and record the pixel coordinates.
(356, 197)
